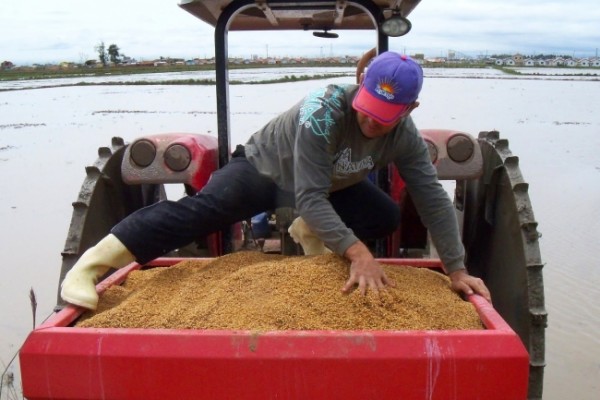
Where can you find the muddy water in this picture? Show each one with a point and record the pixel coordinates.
(47, 136)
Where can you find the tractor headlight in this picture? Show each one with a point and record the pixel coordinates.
(396, 25)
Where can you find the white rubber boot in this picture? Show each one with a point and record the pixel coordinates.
(79, 285)
(311, 244)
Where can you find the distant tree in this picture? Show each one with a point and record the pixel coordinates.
(102, 54)
(6, 65)
(113, 53)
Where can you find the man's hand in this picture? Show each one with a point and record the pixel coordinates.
(467, 284)
(365, 271)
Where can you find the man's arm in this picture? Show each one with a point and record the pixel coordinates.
(318, 130)
(436, 211)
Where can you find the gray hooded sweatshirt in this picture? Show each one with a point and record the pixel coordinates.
(317, 147)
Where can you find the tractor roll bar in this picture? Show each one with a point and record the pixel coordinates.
(221, 52)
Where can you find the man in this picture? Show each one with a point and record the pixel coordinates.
(316, 157)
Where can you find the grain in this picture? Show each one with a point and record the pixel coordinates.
(255, 291)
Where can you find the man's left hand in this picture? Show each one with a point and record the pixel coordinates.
(462, 282)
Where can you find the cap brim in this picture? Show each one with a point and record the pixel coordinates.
(381, 111)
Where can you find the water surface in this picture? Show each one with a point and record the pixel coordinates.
(48, 136)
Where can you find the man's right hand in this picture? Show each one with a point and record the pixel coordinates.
(365, 271)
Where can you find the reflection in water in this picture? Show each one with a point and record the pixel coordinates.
(47, 137)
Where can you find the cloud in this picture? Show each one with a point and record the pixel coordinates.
(491, 25)
(43, 31)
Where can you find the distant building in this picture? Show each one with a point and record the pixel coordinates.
(518, 59)
(436, 60)
(557, 62)
(128, 61)
(505, 61)
(67, 65)
(146, 64)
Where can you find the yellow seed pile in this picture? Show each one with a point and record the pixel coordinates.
(255, 291)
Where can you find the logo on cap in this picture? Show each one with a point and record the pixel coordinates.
(386, 88)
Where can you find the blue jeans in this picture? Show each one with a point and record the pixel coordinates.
(238, 192)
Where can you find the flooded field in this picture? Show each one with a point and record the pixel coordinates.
(48, 136)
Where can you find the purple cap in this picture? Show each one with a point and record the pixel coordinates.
(391, 84)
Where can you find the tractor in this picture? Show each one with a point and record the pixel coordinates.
(498, 228)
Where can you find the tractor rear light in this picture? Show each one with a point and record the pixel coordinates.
(460, 148)
(433, 151)
(178, 157)
(143, 152)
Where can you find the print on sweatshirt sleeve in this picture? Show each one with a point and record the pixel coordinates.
(316, 113)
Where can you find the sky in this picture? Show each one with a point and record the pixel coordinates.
(42, 31)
